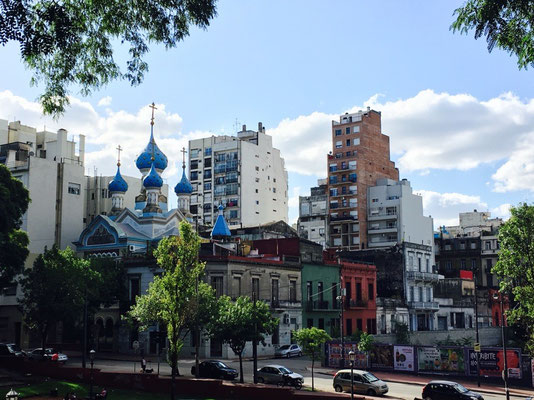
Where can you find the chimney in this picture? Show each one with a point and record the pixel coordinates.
(260, 127)
(81, 150)
(244, 128)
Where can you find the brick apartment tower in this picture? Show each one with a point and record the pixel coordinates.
(360, 156)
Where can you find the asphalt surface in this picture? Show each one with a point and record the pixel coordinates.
(301, 365)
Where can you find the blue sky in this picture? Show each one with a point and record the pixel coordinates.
(460, 119)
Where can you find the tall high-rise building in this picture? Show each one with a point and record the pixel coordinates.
(244, 173)
(312, 223)
(360, 156)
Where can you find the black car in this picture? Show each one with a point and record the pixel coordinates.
(447, 390)
(215, 369)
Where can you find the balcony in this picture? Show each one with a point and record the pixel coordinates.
(352, 303)
(285, 304)
(422, 276)
(386, 242)
(382, 229)
(344, 218)
(382, 216)
(424, 305)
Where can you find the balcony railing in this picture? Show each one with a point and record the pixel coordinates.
(353, 303)
(424, 305)
(422, 276)
(285, 304)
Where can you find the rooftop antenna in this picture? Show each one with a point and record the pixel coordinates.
(236, 125)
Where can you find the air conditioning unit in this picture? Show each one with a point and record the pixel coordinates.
(286, 319)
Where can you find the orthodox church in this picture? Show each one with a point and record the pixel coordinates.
(129, 234)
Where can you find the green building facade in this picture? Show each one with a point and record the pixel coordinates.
(320, 289)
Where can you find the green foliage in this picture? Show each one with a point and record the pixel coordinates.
(14, 200)
(506, 24)
(236, 324)
(466, 341)
(55, 288)
(355, 337)
(311, 341)
(172, 298)
(111, 285)
(515, 269)
(70, 42)
(402, 333)
(366, 342)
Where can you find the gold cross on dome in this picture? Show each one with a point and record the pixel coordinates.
(153, 107)
(119, 149)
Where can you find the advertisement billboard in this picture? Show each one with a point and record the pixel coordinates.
(492, 362)
(444, 360)
(333, 355)
(404, 358)
(381, 356)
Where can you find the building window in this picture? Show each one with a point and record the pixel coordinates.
(293, 291)
(356, 129)
(194, 175)
(462, 264)
(359, 324)
(339, 144)
(421, 293)
(207, 174)
(194, 164)
(321, 323)
(347, 142)
(255, 288)
(207, 186)
(207, 151)
(274, 291)
(473, 264)
(428, 265)
(347, 130)
(348, 327)
(356, 141)
(309, 291)
(217, 284)
(320, 291)
(134, 288)
(338, 132)
(237, 286)
(448, 265)
(309, 323)
(371, 289)
(488, 245)
(412, 297)
(74, 188)
(428, 294)
(419, 263)
(207, 163)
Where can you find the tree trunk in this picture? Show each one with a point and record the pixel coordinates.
(313, 362)
(241, 366)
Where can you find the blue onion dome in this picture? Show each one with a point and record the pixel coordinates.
(220, 229)
(118, 184)
(153, 180)
(144, 161)
(184, 186)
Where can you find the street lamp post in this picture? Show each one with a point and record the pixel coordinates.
(92, 358)
(352, 356)
(498, 296)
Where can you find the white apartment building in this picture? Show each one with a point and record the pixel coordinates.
(52, 171)
(313, 214)
(395, 217)
(244, 173)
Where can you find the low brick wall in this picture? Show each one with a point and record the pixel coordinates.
(154, 384)
(489, 336)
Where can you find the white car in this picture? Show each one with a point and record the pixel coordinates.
(288, 350)
(49, 355)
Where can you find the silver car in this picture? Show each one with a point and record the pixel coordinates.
(364, 382)
(48, 355)
(288, 350)
(275, 374)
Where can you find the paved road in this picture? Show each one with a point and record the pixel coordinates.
(405, 391)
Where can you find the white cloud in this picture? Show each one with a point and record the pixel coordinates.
(429, 131)
(502, 211)
(293, 204)
(105, 101)
(445, 207)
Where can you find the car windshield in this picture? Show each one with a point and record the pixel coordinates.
(369, 377)
(284, 347)
(460, 388)
(15, 347)
(284, 370)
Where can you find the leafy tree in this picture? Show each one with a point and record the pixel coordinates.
(515, 268)
(14, 199)
(172, 298)
(311, 340)
(70, 42)
(54, 289)
(402, 333)
(235, 324)
(506, 24)
(365, 344)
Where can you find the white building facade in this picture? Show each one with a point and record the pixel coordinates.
(52, 170)
(244, 173)
(313, 214)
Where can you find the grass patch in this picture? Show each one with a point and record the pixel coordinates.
(82, 391)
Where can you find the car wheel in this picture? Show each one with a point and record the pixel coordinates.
(300, 353)
(288, 354)
(261, 380)
(338, 388)
(371, 392)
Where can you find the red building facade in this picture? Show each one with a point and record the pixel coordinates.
(358, 285)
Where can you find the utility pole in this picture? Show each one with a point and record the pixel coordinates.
(84, 349)
(255, 341)
(477, 339)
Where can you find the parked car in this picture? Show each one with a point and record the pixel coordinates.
(8, 350)
(278, 375)
(288, 350)
(48, 355)
(215, 369)
(364, 382)
(447, 390)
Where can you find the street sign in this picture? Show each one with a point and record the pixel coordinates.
(135, 345)
(477, 347)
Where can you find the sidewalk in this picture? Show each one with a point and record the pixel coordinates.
(423, 380)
